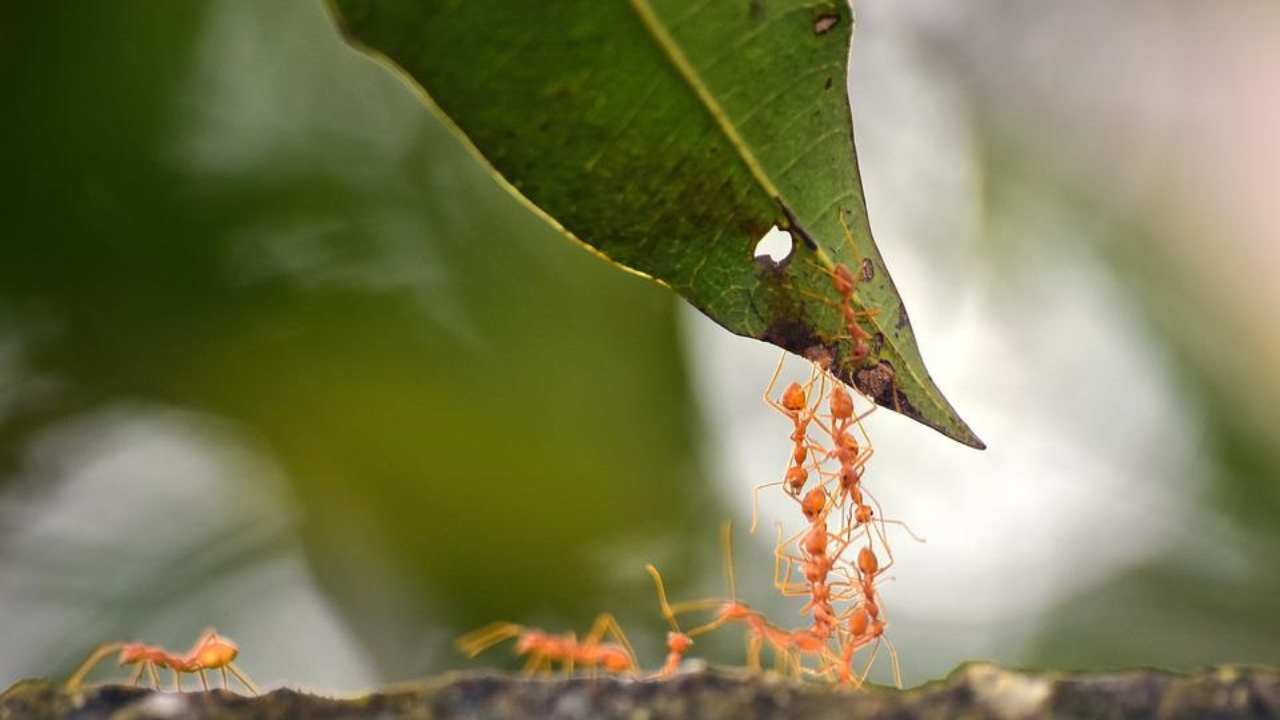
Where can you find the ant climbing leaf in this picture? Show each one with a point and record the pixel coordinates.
(669, 136)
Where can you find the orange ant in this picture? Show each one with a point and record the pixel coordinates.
(866, 625)
(758, 629)
(788, 646)
(794, 404)
(211, 652)
(845, 284)
(817, 560)
(546, 649)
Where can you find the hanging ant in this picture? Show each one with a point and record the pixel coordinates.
(210, 652)
(866, 626)
(794, 404)
(845, 284)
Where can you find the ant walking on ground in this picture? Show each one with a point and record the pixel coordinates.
(545, 650)
(210, 652)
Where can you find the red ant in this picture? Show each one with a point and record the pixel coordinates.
(845, 284)
(788, 646)
(211, 652)
(546, 649)
(866, 625)
(817, 560)
(758, 629)
(794, 404)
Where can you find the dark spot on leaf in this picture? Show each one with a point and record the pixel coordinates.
(791, 333)
(868, 270)
(878, 383)
(756, 8)
(825, 23)
(827, 86)
(903, 320)
(819, 355)
(877, 343)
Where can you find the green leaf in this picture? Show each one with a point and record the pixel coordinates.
(670, 136)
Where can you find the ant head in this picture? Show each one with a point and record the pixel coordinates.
(796, 478)
(678, 642)
(862, 514)
(735, 611)
(793, 398)
(814, 501)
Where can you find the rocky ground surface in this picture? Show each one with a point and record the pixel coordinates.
(972, 691)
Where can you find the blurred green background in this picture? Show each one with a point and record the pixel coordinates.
(277, 355)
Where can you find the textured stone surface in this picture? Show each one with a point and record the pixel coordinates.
(973, 691)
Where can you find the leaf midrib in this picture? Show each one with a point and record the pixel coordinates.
(658, 31)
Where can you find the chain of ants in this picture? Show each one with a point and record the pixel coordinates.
(841, 594)
(842, 599)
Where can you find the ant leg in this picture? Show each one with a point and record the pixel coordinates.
(244, 679)
(609, 625)
(707, 627)
(477, 641)
(570, 661)
(681, 608)
(753, 651)
(136, 676)
(768, 391)
(240, 675)
(155, 674)
(755, 500)
(90, 662)
(726, 541)
(531, 665)
(177, 682)
(893, 660)
(225, 684)
(870, 661)
(204, 680)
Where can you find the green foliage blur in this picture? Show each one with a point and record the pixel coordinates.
(223, 208)
(221, 222)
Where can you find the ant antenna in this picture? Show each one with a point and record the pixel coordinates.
(726, 541)
(90, 662)
(662, 597)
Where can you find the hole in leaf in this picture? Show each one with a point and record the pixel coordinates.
(775, 245)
